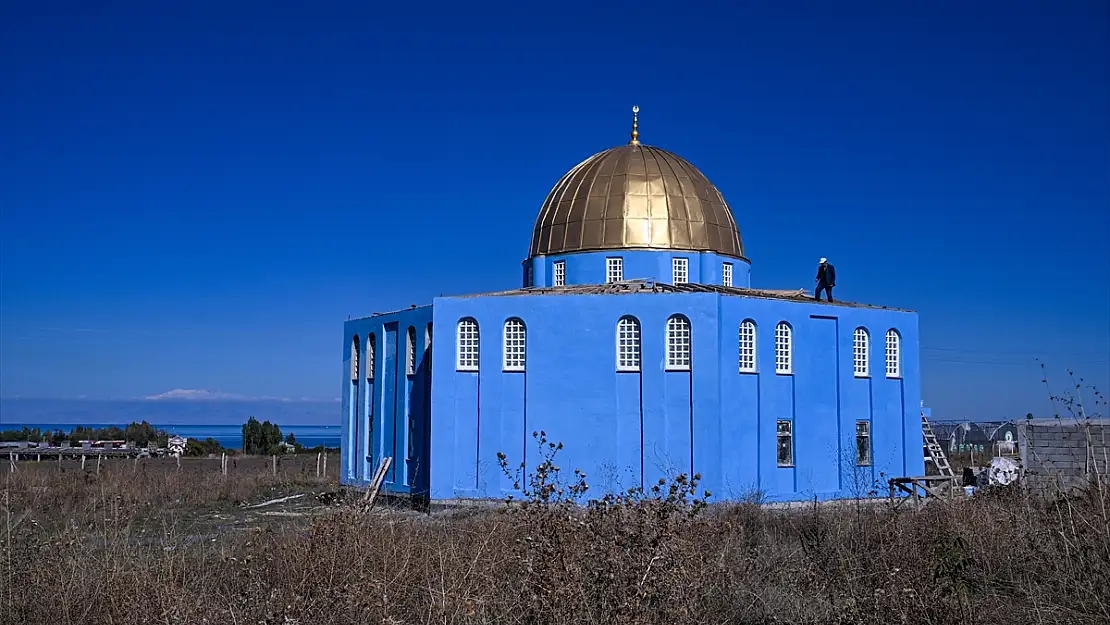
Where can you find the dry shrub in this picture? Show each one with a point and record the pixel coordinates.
(1002, 556)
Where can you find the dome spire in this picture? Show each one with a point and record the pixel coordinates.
(635, 126)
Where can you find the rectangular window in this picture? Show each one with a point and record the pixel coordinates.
(726, 274)
(863, 443)
(785, 435)
(614, 269)
(559, 273)
(680, 270)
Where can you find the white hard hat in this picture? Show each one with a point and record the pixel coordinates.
(824, 260)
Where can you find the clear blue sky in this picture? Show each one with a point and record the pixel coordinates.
(198, 196)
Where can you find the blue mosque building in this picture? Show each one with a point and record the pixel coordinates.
(637, 340)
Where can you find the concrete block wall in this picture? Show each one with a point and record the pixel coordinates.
(1064, 454)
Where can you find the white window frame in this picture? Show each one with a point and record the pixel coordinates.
(861, 353)
(747, 340)
(559, 273)
(514, 347)
(784, 349)
(680, 270)
(628, 344)
(893, 354)
(679, 343)
(614, 269)
(410, 351)
(467, 345)
(726, 274)
(784, 433)
(371, 348)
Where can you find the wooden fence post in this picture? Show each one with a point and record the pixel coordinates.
(273, 463)
(83, 456)
(178, 462)
(324, 472)
(98, 457)
(11, 458)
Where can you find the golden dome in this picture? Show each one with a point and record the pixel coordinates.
(635, 197)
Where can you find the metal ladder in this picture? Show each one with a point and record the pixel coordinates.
(933, 449)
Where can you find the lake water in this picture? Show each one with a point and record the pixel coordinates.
(230, 436)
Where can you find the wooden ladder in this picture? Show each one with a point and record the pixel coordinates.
(933, 449)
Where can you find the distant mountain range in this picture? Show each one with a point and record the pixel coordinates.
(176, 407)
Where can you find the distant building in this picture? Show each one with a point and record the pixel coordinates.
(637, 341)
(177, 445)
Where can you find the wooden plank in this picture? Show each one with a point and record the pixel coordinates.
(376, 484)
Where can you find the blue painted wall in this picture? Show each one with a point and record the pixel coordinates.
(389, 413)
(655, 265)
(631, 428)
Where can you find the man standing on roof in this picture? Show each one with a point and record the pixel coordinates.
(826, 279)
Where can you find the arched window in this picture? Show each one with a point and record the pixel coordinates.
(783, 349)
(355, 349)
(861, 352)
(515, 347)
(371, 354)
(467, 345)
(410, 352)
(678, 343)
(893, 354)
(628, 344)
(428, 344)
(747, 346)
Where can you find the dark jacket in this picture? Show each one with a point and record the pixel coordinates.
(826, 274)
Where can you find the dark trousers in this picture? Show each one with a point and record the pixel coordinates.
(822, 286)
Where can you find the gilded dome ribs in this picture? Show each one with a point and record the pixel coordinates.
(635, 197)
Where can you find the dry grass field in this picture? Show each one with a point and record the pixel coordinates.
(150, 543)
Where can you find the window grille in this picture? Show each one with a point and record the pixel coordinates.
(726, 274)
(861, 346)
(678, 343)
(354, 359)
(680, 271)
(783, 349)
(559, 273)
(893, 354)
(410, 356)
(515, 348)
(747, 346)
(785, 440)
(371, 354)
(467, 346)
(628, 344)
(614, 269)
(863, 443)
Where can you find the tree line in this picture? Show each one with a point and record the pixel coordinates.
(260, 438)
(142, 434)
